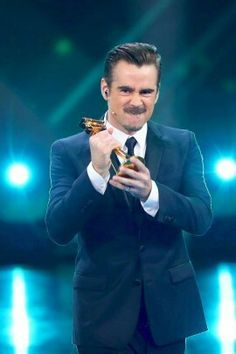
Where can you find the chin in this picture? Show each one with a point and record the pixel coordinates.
(132, 128)
(136, 123)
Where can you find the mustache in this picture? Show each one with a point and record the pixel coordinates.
(135, 110)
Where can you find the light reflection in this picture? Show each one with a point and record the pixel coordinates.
(20, 321)
(227, 321)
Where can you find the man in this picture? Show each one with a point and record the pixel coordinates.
(134, 285)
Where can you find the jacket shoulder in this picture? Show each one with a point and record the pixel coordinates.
(72, 142)
(172, 136)
(167, 132)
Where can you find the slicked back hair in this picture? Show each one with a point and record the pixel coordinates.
(134, 53)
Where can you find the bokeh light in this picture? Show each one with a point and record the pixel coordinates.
(226, 169)
(18, 175)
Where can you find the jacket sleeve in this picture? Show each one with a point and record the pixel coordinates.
(71, 197)
(190, 208)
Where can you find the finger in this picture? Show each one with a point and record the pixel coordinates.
(126, 182)
(103, 138)
(138, 164)
(118, 185)
(138, 173)
(127, 171)
(131, 186)
(103, 134)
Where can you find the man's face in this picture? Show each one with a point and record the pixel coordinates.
(132, 96)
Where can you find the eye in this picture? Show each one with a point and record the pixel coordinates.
(146, 92)
(125, 90)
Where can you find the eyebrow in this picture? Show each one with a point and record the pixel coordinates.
(130, 89)
(125, 87)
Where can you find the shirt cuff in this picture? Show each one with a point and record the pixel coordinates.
(151, 205)
(98, 182)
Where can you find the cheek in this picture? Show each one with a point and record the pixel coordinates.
(120, 105)
(151, 106)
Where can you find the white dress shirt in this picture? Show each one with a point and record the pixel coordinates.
(151, 205)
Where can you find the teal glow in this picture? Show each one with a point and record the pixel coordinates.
(18, 175)
(20, 329)
(63, 46)
(227, 314)
(226, 169)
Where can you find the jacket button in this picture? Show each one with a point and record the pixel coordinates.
(169, 219)
(141, 247)
(137, 282)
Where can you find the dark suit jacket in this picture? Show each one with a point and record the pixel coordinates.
(120, 250)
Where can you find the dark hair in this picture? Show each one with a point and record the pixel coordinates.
(134, 53)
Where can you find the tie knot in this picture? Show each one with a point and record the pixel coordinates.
(130, 144)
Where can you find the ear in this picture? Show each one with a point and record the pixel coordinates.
(104, 89)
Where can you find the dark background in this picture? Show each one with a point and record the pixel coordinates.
(50, 67)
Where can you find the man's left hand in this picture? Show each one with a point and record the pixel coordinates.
(138, 182)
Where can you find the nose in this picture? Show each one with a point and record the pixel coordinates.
(136, 100)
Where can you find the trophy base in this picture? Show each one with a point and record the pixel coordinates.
(129, 164)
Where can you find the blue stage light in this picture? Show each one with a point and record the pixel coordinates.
(18, 175)
(226, 169)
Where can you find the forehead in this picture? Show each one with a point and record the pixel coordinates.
(128, 74)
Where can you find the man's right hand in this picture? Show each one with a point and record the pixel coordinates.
(101, 146)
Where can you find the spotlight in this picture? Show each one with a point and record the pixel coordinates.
(226, 169)
(18, 175)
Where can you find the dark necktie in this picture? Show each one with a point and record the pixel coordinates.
(130, 144)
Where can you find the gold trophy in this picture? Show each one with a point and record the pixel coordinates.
(93, 126)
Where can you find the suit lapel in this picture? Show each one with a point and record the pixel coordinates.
(154, 150)
(122, 197)
(115, 164)
(117, 194)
